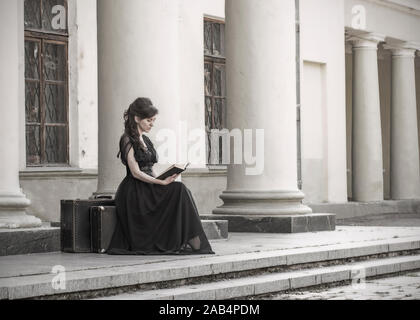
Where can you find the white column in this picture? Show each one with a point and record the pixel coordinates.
(405, 172)
(261, 94)
(367, 134)
(12, 201)
(137, 57)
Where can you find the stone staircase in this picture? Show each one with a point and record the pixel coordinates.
(268, 283)
(227, 276)
(262, 274)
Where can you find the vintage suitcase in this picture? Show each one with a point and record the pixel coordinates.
(103, 220)
(75, 223)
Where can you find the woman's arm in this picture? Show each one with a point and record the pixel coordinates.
(138, 174)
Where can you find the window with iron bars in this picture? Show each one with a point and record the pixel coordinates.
(214, 88)
(46, 83)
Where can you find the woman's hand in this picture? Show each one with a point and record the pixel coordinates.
(169, 180)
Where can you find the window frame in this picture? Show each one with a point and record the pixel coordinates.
(43, 38)
(213, 60)
(50, 32)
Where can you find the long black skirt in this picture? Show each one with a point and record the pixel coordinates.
(156, 220)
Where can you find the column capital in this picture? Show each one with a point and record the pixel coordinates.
(366, 41)
(383, 54)
(406, 49)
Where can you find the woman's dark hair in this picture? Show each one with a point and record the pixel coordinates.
(142, 108)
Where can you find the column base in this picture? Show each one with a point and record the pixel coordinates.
(278, 224)
(267, 203)
(13, 214)
(270, 212)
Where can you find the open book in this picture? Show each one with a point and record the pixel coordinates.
(174, 169)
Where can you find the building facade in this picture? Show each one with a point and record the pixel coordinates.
(331, 86)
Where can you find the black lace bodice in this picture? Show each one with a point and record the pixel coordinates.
(145, 158)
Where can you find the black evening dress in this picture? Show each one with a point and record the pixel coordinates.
(154, 219)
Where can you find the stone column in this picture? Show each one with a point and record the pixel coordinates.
(405, 172)
(137, 57)
(261, 94)
(367, 132)
(13, 202)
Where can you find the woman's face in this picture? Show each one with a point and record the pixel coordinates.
(145, 124)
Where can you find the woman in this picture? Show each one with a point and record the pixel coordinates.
(154, 216)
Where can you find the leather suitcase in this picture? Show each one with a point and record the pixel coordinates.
(75, 224)
(103, 220)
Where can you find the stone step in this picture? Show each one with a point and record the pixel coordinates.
(87, 282)
(277, 224)
(215, 229)
(277, 282)
(352, 209)
(33, 240)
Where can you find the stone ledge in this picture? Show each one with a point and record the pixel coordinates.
(360, 209)
(26, 241)
(277, 224)
(54, 173)
(204, 172)
(216, 229)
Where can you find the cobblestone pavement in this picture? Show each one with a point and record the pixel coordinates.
(404, 287)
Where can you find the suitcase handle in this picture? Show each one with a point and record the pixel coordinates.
(100, 196)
